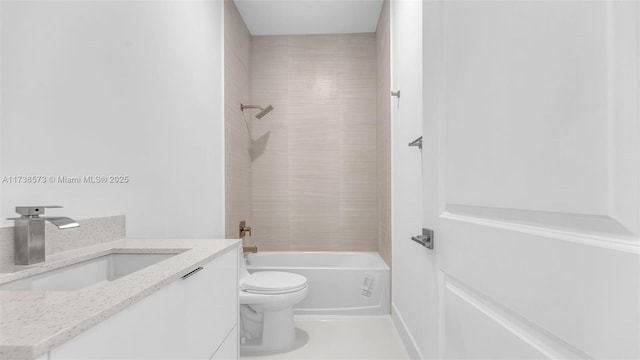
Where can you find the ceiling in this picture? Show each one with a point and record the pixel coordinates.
(301, 17)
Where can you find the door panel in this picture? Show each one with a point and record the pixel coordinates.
(512, 86)
(475, 331)
(532, 112)
(531, 121)
(576, 292)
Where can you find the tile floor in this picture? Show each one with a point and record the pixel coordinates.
(343, 337)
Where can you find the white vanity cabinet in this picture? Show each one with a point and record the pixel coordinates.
(229, 348)
(191, 318)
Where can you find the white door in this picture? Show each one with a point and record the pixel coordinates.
(532, 176)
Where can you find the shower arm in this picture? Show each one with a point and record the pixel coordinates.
(244, 107)
(263, 110)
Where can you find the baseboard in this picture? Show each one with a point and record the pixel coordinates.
(407, 340)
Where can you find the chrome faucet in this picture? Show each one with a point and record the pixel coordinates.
(29, 232)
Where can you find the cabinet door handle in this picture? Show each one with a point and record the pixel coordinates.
(184, 277)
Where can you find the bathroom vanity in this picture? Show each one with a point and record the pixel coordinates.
(182, 302)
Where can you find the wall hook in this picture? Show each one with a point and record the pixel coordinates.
(417, 142)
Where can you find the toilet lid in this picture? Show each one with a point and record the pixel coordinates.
(273, 282)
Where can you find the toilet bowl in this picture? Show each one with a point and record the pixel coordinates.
(266, 309)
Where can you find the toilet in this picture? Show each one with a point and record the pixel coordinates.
(266, 309)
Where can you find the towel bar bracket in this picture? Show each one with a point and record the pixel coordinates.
(417, 142)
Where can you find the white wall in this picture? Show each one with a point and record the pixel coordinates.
(130, 88)
(406, 125)
(414, 275)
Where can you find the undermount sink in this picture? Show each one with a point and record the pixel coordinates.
(86, 274)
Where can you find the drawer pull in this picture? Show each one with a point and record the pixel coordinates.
(184, 277)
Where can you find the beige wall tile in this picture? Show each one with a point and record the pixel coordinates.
(315, 232)
(270, 229)
(315, 183)
(384, 134)
(314, 174)
(237, 138)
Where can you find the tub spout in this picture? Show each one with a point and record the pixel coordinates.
(250, 249)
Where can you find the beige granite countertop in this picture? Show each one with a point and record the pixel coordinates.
(34, 322)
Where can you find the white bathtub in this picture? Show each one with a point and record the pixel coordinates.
(340, 283)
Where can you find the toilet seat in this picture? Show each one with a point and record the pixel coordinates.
(273, 282)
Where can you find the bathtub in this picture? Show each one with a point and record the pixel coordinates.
(340, 283)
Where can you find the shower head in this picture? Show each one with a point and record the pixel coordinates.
(263, 111)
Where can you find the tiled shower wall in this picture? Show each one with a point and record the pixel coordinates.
(314, 158)
(237, 138)
(384, 134)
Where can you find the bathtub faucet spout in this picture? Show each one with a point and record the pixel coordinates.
(250, 249)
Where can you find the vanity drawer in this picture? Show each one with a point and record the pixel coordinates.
(187, 319)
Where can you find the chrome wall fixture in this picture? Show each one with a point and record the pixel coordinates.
(417, 142)
(29, 241)
(263, 111)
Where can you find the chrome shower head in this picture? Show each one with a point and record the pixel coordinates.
(263, 111)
